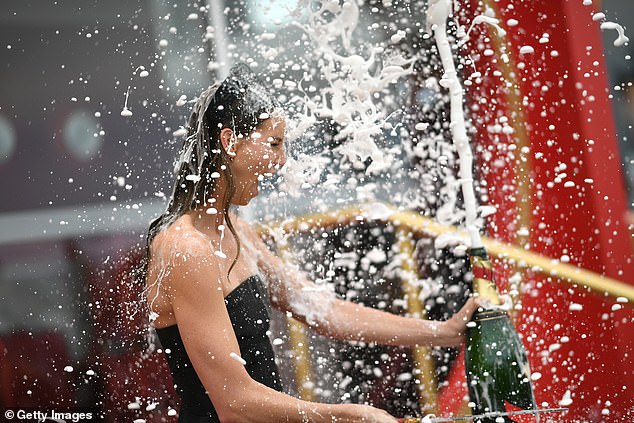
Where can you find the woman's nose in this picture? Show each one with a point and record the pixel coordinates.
(281, 160)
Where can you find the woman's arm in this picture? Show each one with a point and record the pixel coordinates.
(198, 305)
(350, 321)
(325, 313)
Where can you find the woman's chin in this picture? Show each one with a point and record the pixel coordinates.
(240, 201)
(246, 198)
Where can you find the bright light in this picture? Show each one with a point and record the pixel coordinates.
(7, 139)
(272, 14)
(81, 135)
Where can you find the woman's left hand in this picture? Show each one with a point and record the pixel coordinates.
(452, 332)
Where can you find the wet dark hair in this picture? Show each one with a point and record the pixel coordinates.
(241, 102)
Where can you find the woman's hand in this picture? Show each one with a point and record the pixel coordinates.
(452, 332)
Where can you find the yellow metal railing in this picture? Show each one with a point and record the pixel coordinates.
(424, 372)
(409, 226)
(416, 224)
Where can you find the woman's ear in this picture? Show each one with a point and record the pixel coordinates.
(228, 141)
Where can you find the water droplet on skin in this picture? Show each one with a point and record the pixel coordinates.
(237, 358)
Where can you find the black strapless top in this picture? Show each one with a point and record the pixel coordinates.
(249, 316)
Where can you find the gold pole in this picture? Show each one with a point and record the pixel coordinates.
(299, 344)
(303, 371)
(523, 163)
(426, 378)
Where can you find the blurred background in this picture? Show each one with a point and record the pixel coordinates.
(81, 182)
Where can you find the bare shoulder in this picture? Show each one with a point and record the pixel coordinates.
(180, 241)
(179, 252)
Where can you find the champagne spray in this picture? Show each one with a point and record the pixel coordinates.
(496, 363)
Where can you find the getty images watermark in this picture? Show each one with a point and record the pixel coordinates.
(60, 416)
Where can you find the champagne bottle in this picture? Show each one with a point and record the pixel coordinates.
(496, 364)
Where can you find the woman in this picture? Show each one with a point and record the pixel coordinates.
(206, 297)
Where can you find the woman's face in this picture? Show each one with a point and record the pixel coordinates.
(257, 156)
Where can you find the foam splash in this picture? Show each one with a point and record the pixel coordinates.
(302, 172)
(621, 39)
(126, 112)
(219, 252)
(437, 14)
(487, 18)
(566, 400)
(354, 81)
